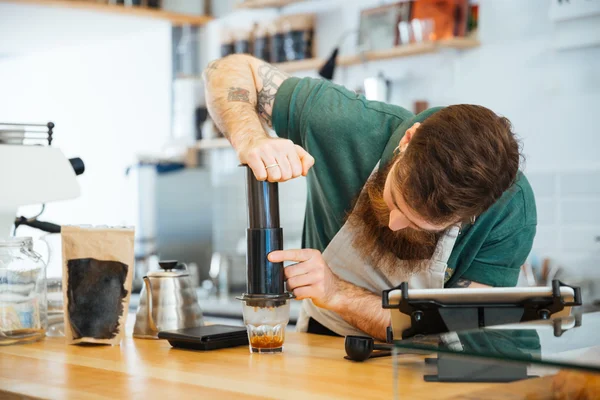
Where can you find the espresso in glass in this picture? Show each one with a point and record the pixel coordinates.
(266, 325)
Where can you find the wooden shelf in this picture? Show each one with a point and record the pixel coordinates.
(395, 52)
(208, 144)
(460, 43)
(301, 65)
(265, 3)
(135, 11)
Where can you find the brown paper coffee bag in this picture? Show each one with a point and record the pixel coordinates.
(98, 267)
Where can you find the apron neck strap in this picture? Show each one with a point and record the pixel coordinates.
(444, 247)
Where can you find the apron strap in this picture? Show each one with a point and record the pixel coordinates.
(445, 245)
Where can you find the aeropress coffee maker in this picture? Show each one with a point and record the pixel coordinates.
(266, 303)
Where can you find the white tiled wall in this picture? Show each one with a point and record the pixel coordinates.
(580, 183)
(569, 219)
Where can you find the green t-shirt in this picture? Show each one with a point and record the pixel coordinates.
(347, 135)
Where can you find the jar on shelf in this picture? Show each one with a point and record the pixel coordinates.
(298, 36)
(261, 41)
(277, 52)
(227, 47)
(241, 42)
(23, 301)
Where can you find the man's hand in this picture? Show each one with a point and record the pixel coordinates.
(311, 277)
(240, 96)
(290, 160)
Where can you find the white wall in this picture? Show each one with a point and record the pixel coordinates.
(551, 96)
(104, 80)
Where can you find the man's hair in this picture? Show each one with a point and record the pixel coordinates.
(458, 163)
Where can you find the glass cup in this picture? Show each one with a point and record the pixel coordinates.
(266, 325)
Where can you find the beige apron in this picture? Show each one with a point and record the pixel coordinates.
(348, 264)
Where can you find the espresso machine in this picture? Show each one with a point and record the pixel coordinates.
(266, 301)
(33, 172)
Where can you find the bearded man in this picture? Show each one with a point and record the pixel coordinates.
(434, 199)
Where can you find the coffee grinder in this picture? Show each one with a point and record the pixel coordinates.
(266, 303)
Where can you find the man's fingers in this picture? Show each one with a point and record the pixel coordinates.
(284, 167)
(307, 164)
(304, 292)
(301, 280)
(258, 167)
(297, 269)
(273, 172)
(297, 255)
(307, 160)
(295, 164)
(284, 159)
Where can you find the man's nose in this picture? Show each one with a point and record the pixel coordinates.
(397, 221)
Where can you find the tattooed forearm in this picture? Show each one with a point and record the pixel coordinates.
(238, 94)
(271, 79)
(462, 283)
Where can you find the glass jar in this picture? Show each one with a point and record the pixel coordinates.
(23, 303)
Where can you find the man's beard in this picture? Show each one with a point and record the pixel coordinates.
(376, 242)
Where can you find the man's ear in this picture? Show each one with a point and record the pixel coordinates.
(408, 135)
(404, 141)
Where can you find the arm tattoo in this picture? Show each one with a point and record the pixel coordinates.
(238, 94)
(265, 97)
(462, 283)
(272, 79)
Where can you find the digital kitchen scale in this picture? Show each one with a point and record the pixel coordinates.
(209, 337)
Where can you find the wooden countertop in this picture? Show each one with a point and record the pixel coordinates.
(311, 367)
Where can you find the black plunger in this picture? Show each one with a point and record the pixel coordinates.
(264, 235)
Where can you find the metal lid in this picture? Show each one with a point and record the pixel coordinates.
(169, 269)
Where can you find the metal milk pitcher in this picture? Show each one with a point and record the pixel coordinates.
(168, 301)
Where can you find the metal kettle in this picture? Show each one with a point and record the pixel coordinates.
(168, 301)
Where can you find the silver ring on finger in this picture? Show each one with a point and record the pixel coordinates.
(271, 166)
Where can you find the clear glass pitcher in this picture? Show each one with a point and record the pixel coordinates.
(23, 302)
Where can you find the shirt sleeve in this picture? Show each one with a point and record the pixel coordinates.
(499, 261)
(309, 108)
